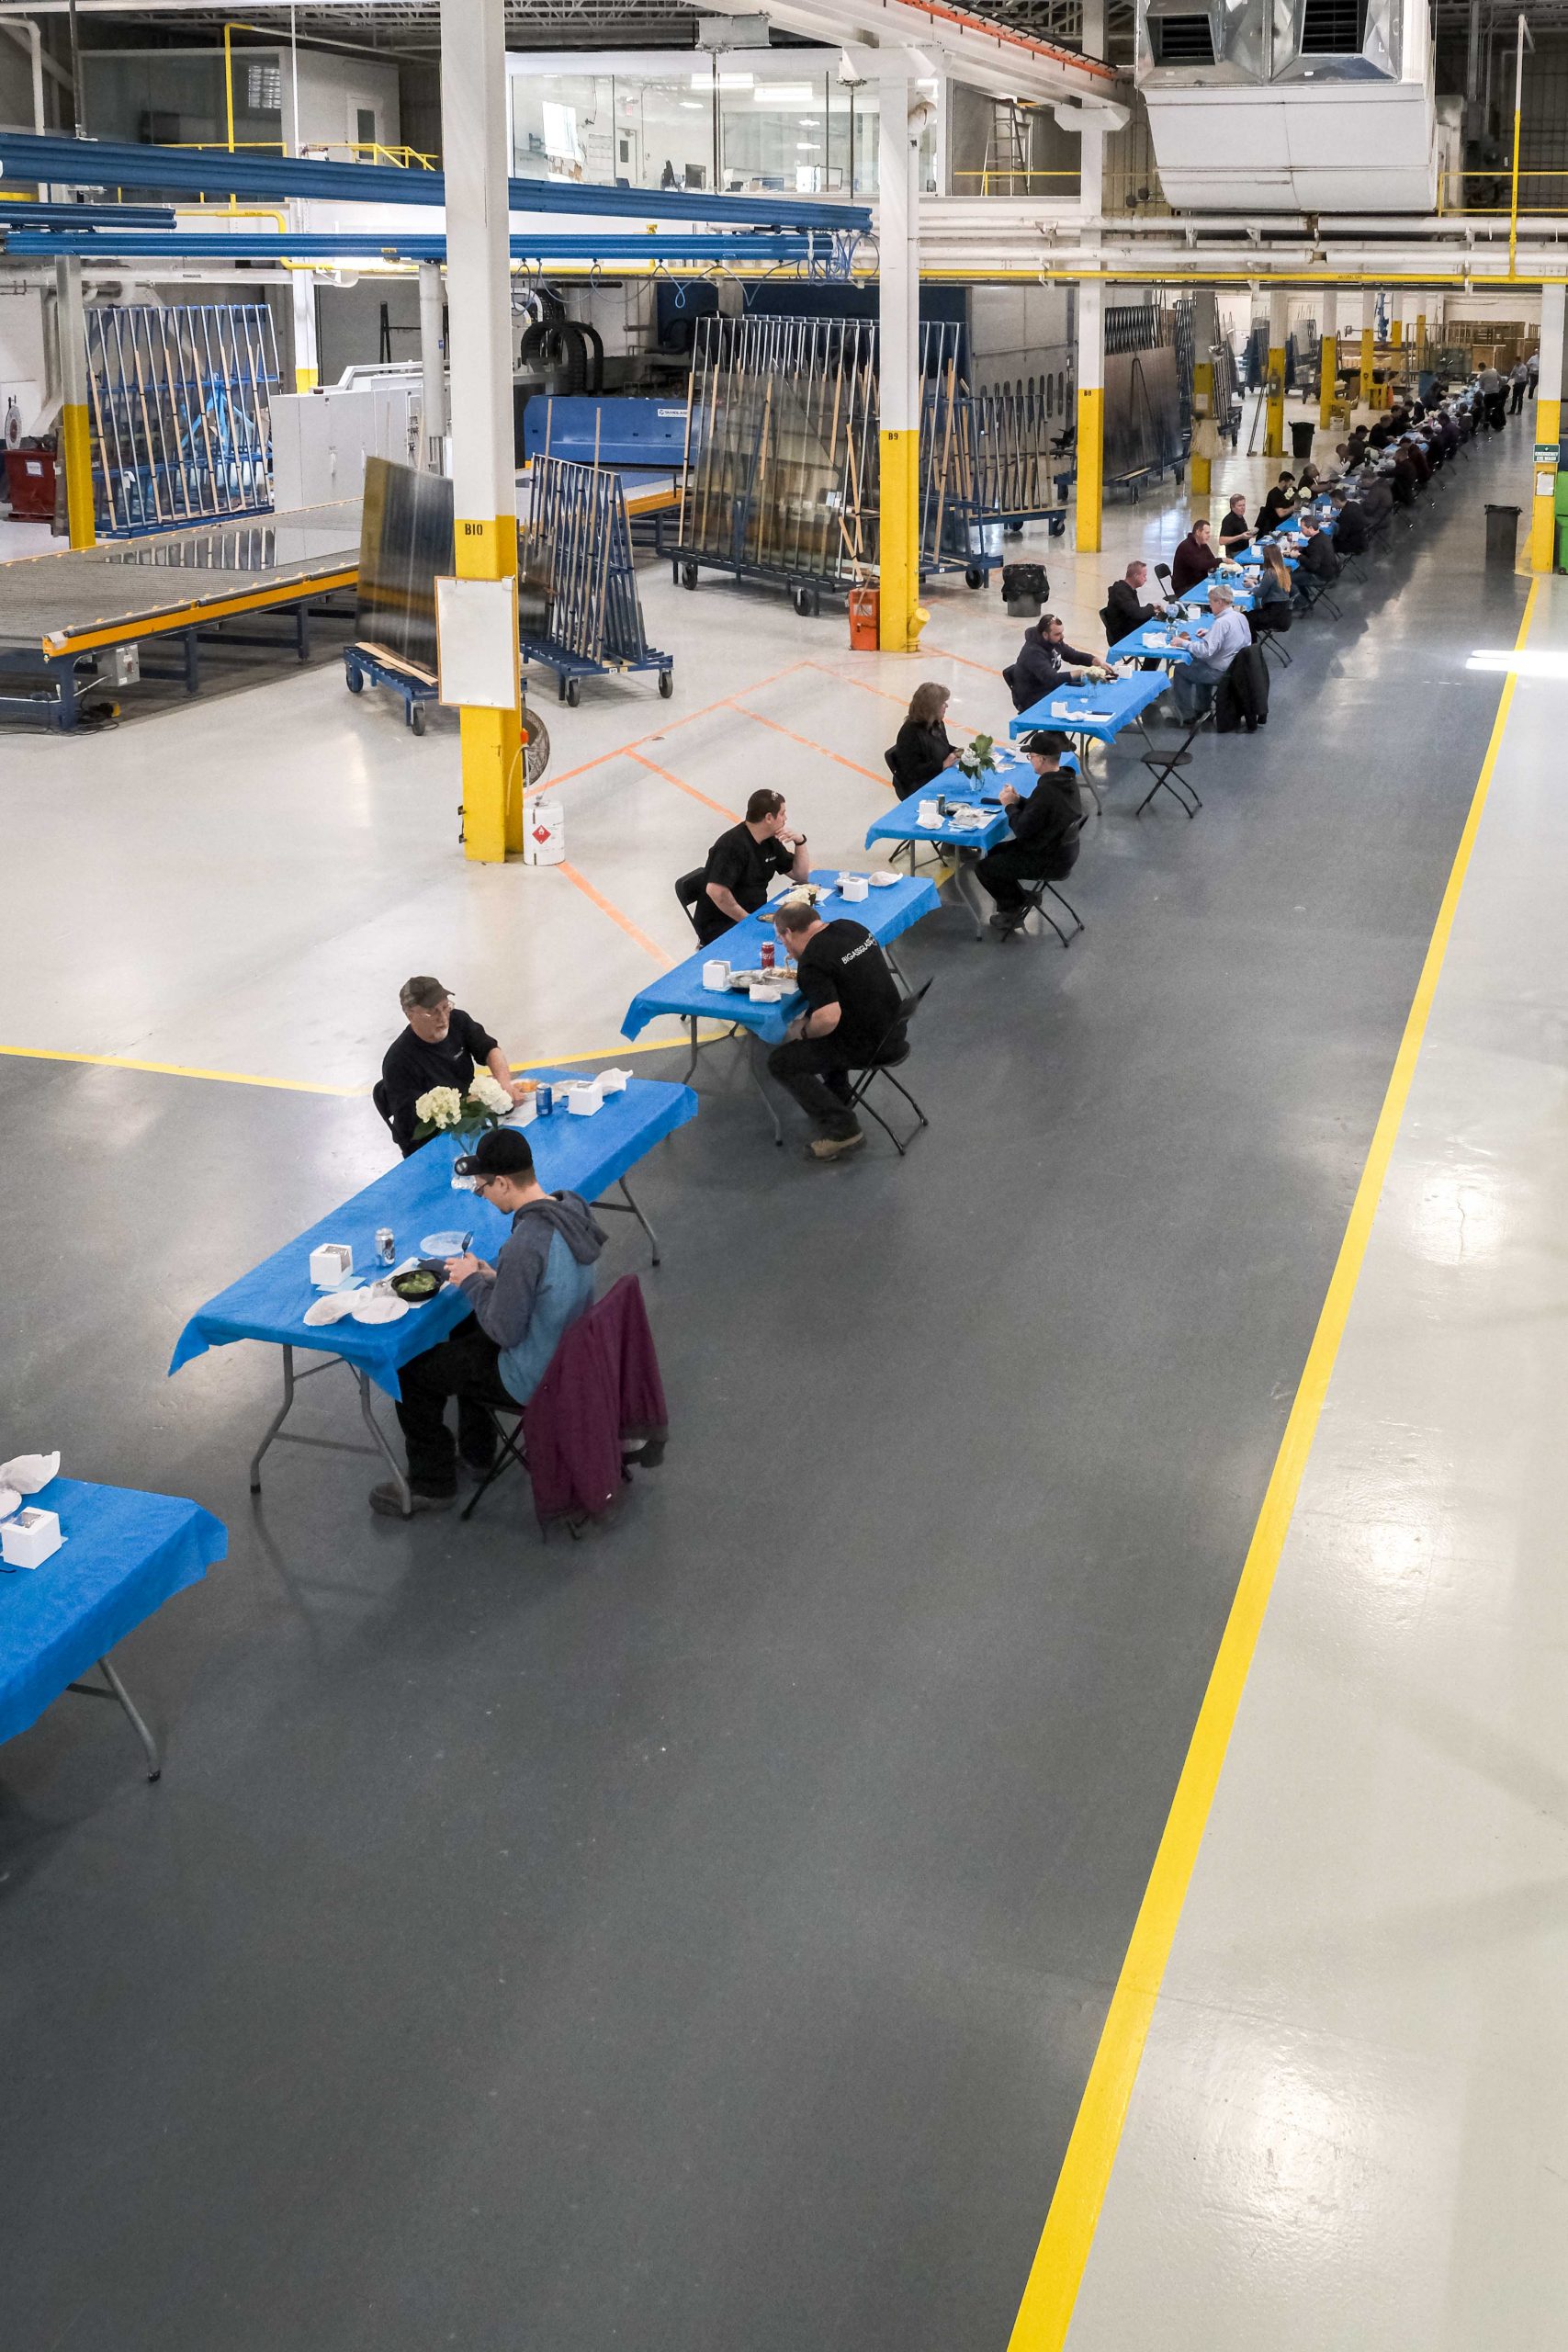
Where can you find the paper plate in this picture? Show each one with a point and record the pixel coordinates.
(443, 1245)
(333, 1308)
(379, 1306)
(882, 881)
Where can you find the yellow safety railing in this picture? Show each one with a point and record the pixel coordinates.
(1500, 174)
(1010, 172)
(408, 159)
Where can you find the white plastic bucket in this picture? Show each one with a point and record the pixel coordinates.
(544, 833)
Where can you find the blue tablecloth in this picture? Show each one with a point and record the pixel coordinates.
(902, 823)
(1195, 600)
(124, 1554)
(885, 914)
(1150, 644)
(415, 1198)
(1072, 710)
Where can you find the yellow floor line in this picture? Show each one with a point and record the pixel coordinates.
(1046, 2311)
(178, 1069)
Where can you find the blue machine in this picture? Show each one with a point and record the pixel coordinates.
(614, 428)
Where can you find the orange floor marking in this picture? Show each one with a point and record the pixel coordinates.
(549, 783)
(805, 742)
(681, 785)
(942, 655)
(581, 882)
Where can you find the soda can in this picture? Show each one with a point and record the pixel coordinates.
(386, 1245)
(769, 955)
(546, 1099)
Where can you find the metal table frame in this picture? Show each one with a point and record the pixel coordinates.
(117, 1691)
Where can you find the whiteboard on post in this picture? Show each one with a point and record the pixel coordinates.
(475, 636)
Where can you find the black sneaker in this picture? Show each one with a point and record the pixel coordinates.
(388, 1500)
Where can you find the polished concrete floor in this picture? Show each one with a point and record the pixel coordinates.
(698, 1937)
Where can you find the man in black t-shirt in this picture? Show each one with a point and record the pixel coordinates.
(441, 1046)
(852, 1004)
(743, 862)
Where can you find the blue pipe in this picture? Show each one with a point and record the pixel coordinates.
(86, 216)
(198, 245)
(104, 162)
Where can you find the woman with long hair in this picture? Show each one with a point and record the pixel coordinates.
(1272, 607)
(923, 749)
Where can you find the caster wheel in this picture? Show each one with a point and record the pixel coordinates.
(1058, 526)
(573, 692)
(688, 575)
(802, 601)
(416, 717)
(666, 683)
(355, 681)
(974, 577)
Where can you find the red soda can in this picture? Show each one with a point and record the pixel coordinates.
(769, 953)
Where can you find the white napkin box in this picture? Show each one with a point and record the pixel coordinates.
(715, 974)
(330, 1264)
(27, 1540)
(586, 1097)
(854, 886)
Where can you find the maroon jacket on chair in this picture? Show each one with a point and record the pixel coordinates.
(602, 1388)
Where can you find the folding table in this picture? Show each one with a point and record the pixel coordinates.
(571, 1153)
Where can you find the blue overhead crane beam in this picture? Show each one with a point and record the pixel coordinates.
(243, 244)
(106, 163)
(86, 216)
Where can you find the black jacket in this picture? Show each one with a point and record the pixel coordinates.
(1038, 670)
(1241, 698)
(1123, 613)
(1318, 559)
(1045, 825)
(1350, 529)
(920, 755)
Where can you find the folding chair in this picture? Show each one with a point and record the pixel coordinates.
(1163, 765)
(1314, 593)
(689, 889)
(1034, 897)
(509, 1452)
(383, 1102)
(883, 1063)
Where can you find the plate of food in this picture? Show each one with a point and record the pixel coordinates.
(417, 1284)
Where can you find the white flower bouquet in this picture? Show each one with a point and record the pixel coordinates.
(978, 758)
(445, 1110)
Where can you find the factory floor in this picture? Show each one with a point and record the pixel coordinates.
(702, 1935)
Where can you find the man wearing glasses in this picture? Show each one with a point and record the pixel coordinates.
(441, 1045)
(541, 1282)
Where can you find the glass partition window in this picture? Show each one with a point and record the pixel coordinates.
(773, 135)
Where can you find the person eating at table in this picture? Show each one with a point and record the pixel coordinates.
(1194, 559)
(923, 749)
(1043, 830)
(441, 1045)
(1044, 661)
(1236, 530)
(743, 862)
(1124, 607)
(520, 1308)
(1276, 506)
(851, 1014)
(1213, 651)
(1350, 537)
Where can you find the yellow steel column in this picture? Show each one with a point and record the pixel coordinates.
(1396, 329)
(473, 130)
(1548, 428)
(1327, 357)
(1278, 327)
(1205, 437)
(1092, 416)
(901, 618)
(1369, 337)
(75, 432)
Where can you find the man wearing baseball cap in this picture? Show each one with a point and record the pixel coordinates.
(541, 1282)
(440, 1046)
(1043, 843)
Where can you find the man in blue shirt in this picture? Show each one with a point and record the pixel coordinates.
(1213, 651)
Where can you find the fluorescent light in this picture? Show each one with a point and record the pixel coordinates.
(726, 81)
(806, 146)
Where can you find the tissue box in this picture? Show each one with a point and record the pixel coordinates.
(715, 974)
(27, 1540)
(330, 1264)
(853, 886)
(613, 1081)
(585, 1097)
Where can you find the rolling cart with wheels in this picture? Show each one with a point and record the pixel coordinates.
(373, 665)
(570, 668)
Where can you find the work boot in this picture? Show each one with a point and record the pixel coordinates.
(1008, 918)
(835, 1147)
(387, 1499)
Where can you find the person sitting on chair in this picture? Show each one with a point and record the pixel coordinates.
(541, 1282)
(1350, 535)
(1044, 846)
(440, 1046)
(851, 1009)
(1213, 651)
(923, 749)
(1276, 506)
(1124, 607)
(1272, 597)
(1194, 560)
(743, 862)
(1045, 660)
(1236, 530)
(1317, 561)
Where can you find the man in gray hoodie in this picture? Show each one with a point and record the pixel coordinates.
(541, 1282)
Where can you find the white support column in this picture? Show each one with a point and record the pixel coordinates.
(479, 278)
(433, 361)
(307, 356)
(1091, 161)
(898, 311)
(1548, 428)
(1090, 414)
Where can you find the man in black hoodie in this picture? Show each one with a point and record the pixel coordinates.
(1045, 661)
(541, 1282)
(1044, 831)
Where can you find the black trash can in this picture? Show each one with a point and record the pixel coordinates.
(1502, 536)
(1301, 430)
(1025, 587)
